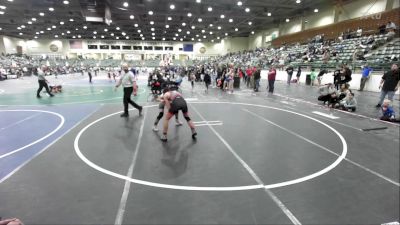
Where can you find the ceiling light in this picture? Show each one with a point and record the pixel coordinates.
(152, 29)
(41, 14)
(222, 16)
(198, 1)
(143, 38)
(123, 34)
(48, 28)
(199, 40)
(151, 22)
(34, 19)
(177, 35)
(187, 32)
(62, 22)
(41, 32)
(269, 14)
(211, 25)
(193, 27)
(94, 32)
(189, 15)
(209, 9)
(36, 37)
(192, 39)
(236, 29)
(200, 20)
(250, 23)
(22, 26)
(203, 31)
(68, 32)
(85, 27)
(74, 36)
(181, 39)
(51, 9)
(94, 37)
(219, 28)
(62, 34)
(112, 34)
(239, 3)
(1, 12)
(218, 38)
(66, 2)
(174, 38)
(139, 31)
(197, 35)
(18, 28)
(132, 17)
(247, 10)
(169, 18)
(172, 6)
(211, 32)
(56, 36)
(204, 37)
(212, 40)
(287, 20)
(76, 29)
(226, 34)
(102, 36)
(117, 38)
(153, 38)
(183, 24)
(179, 30)
(117, 28)
(2, 7)
(54, 27)
(141, 35)
(71, 20)
(163, 38)
(105, 29)
(167, 26)
(36, 32)
(127, 37)
(252, 32)
(20, 33)
(79, 36)
(230, 20)
(136, 25)
(125, 4)
(150, 13)
(298, 1)
(315, 10)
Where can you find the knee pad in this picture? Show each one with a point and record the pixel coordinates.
(187, 118)
(160, 115)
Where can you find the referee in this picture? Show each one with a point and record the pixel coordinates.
(127, 81)
(42, 82)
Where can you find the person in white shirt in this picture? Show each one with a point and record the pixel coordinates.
(127, 81)
(42, 82)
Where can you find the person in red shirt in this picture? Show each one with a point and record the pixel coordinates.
(271, 79)
(249, 73)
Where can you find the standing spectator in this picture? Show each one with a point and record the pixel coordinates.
(365, 76)
(207, 80)
(389, 84)
(249, 73)
(320, 74)
(257, 78)
(298, 74)
(313, 75)
(289, 71)
(271, 79)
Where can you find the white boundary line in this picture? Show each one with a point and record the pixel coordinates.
(330, 116)
(324, 148)
(19, 121)
(287, 212)
(121, 209)
(45, 148)
(62, 120)
(2, 91)
(197, 188)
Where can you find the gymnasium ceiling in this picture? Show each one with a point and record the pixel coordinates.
(68, 19)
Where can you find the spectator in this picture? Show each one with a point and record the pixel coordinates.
(257, 78)
(313, 75)
(366, 70)
(207, 81)
(388, 113)
(325, 93)
(298, 74)
(333, 101)
(359, 32)
(320, 74)
(271, 79)
(389, 84)
(391, 26)
(289, 71)
(349, 102)
(382, 29)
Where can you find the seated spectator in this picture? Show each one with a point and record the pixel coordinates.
(349, 102)
(391, 26)
(333, 101)
(359, 32)
(382, 29)
(325, 93)
(388, 113)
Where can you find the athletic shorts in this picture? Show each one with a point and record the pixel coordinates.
(178, 104)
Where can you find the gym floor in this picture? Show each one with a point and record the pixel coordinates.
(258, 159)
